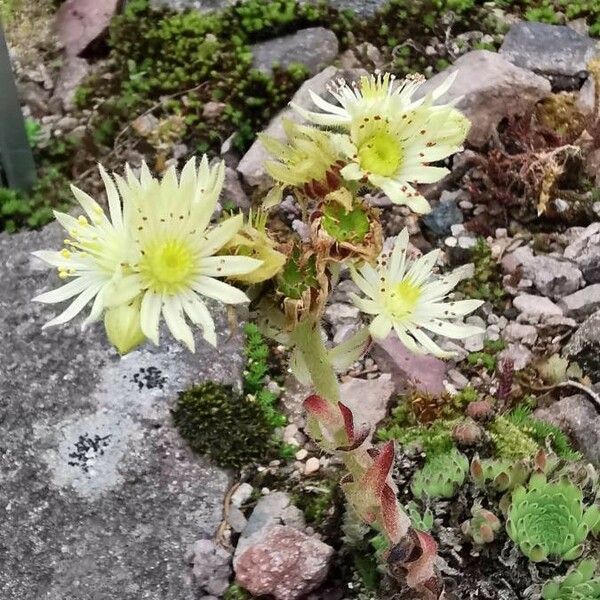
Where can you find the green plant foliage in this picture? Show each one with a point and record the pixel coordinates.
(422, 522)
(34, 209)
(500, 474)
(197, 58)
(236, 592)
(510, 441)
(318, 502)
(434, 439)
(441, 476)
(487, 357)
(33, 130)
(561, 11)
(550, 520)
(486, 284)
(346, 226)
(542, 432)
(295, 279)
(254, 382)
(216, 420)
(581, 583)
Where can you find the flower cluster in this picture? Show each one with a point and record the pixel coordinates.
(155, 255)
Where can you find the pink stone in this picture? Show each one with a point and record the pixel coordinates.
(423, 372)
(80, 22)
(286, 564)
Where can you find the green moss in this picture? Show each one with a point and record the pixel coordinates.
(197, 58)
(487, 357)
(236, 592)
(218, 421)
(542, 432)
(318, 502)
(510, 441)
(486, 284)
(33, 130)
(434, 438)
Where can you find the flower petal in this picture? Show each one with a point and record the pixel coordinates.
(150, 315)
(219, 290)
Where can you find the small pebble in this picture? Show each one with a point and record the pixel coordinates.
(312, 466)
(301, 454)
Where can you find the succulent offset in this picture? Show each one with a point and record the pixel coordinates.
(581, 583)
(441, 476)
(550, 520)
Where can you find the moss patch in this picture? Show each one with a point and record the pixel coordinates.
(218, 421)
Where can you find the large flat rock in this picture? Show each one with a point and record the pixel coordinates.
(99, 497)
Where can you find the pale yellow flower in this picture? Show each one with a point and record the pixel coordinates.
(389, 138)
(407, 297)
(159, 248)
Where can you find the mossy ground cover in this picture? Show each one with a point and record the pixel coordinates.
(173, 65)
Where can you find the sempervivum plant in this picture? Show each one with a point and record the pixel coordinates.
(441, 476)
(582, 583)
(550, 519)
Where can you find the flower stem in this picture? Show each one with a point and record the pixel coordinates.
(307, 337)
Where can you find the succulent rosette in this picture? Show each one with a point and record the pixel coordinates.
(550, 519)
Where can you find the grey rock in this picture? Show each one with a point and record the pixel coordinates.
(584, 250)
(285, 563)
(233, 190)
(292, 516)
(100, 496)
(442, 217)
(315, 48)
(364, 55)
(586, 99)
(519, 354)
(552, 276)
(531, 305)
(576, 416)
(252, 164)
(213, 110)
(362, 8)
(236, 519)
(519, 332)
(587, 334)
(475, 342)
(548, 49)
(582, 303)
(500, 90)
(211, 566)
(242, 494)
(34, 97)
(584, 346)
(72, 74)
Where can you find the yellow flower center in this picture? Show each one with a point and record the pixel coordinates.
(167, 266)
(380, 154)
(402, 298)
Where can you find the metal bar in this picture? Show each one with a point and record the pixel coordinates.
(15, 154)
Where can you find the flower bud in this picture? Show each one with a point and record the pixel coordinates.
(122, 325)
